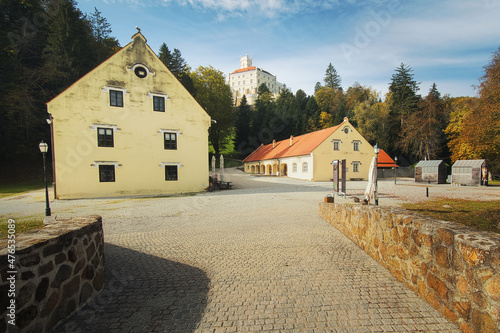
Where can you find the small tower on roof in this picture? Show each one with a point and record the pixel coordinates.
(245, 61)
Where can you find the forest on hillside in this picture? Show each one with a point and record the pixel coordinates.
(46, 45)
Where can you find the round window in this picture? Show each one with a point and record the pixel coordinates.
(141, 72)
(346, 130)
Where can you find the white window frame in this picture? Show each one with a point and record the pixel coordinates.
(355, 144)
(355, 166)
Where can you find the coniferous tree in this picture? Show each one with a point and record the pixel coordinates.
(104, 44)
(243, 125)
(332, 78)
(403, 102)
(178, 66)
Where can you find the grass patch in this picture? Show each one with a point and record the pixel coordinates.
(482, 215)
(10, 189)
(23, 224)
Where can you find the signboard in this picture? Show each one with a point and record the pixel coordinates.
(343, 176)
(336, 175)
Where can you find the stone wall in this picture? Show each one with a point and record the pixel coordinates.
(60, 268)
(454, 268)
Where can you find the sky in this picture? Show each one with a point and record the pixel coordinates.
(444, 41)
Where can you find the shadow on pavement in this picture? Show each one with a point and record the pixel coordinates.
(143, 293)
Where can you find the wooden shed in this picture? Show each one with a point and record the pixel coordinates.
(470, 172)
(433, 171)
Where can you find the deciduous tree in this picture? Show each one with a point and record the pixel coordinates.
(214, 95)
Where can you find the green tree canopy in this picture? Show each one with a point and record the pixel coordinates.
(215, 96)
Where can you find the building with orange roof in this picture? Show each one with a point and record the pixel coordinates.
(247, 79)
(310, 156)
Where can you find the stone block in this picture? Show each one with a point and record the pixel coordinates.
(24, 295)
(462, 308)
(433, 300)
(438, 285)
(71, 288)
(493, 287)
(472, 256)
(479, 299)
(461, 284)
(422, 288)
(383, 251)
(449, 314)
(395, 235)
(53, 249)
(447, 235)
(51, 304)
(98, 281)
(79, 265)
(47, 268)
(41, 290)
(29, 260)
(62, 275)
(26, 316)
(90, 251)
(26, 275)
(86, 293)
(471, 278)
(60, 258)
(88, 273)
(415, 235)
(402, 253)
(482, 321)
(457, 263)
(441, 256)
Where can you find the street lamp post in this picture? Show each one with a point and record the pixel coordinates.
(43, 149)
(376, 149)
(395, 169)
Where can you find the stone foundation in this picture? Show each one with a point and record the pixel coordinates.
(60, 268)
(454, 268)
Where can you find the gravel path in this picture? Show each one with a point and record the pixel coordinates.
(254, 258)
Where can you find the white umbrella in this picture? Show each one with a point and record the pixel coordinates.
(372, 179)
(221, 167)
(213, 167)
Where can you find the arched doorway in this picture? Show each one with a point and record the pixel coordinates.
(269, 169)
(284, 170)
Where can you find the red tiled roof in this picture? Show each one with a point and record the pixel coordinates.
(384, 160)
(244, 70)
(301, 145)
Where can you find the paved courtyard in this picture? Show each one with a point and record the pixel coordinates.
(254, 258)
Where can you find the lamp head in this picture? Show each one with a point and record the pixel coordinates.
(376, 149)
(43, 147)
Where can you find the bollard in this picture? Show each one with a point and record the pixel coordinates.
(427, 192)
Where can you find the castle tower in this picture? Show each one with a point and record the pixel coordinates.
(245, 61)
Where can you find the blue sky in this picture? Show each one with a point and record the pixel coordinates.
(447, 42)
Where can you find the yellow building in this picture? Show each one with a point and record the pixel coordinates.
(128, 127)
(310, 156)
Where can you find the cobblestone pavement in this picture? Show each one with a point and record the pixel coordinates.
(255, 258)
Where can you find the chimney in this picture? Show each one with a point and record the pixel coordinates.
(291, 140)
(274, 143)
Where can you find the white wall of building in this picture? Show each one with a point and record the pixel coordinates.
(301, 171)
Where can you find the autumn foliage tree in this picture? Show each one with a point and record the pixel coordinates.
(475, 130)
